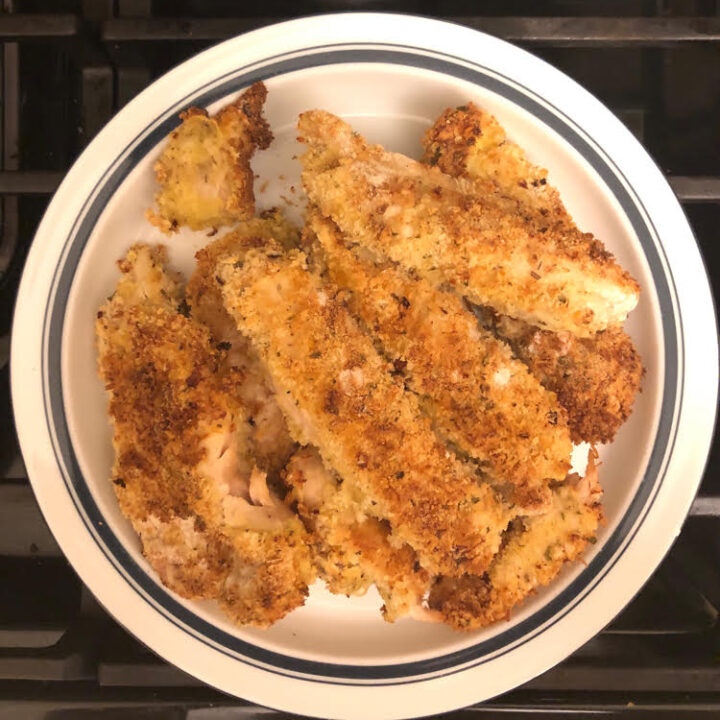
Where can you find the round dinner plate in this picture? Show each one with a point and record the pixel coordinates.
(390, 76)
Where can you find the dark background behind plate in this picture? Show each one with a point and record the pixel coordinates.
(67, 67)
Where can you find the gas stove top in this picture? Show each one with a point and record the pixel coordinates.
(67, 66)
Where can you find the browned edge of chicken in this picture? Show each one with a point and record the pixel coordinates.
(351, 549)
(534, 551)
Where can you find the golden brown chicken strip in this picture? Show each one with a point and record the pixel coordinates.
(351, 550)
(268, 433)
(534, 551)
(478, 396)
(183, 473)
(447, 231)
(597, 378)
(337, 394)
(204, 171)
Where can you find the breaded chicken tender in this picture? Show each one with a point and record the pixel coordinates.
(268, 433)
(204, 171)
(351, 549)
(533, 553)
(595, 378)
(447, 231)
(479, 397)
(338, 394)
(183, 473)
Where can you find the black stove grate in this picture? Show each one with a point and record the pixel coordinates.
(67, 66)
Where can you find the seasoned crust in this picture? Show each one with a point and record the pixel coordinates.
(328, 509)
(204, 171)
(242, 121)
(203, 294)
(189, 559)
(162, 401)
(183, 473)
(158, 398)
(338, 395)
(270, 576)
(596, 379)
(478, 396)
(352, 550)
(469, 142)
(400, 579)
(447, 231)
(534, 551)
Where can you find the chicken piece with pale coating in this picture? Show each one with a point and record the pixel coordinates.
(597, 378)
(534, 551)
(183, 473)
(448, 232)
(351, 549)
(479, 397)
(204, 171)
(268, 433)
(338, 395)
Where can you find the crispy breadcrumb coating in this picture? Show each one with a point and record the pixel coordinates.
(204, 171)
(533, 553)
(183, 473)
(446, 231)
(203, 294)
(270, 575)
(596, 378)
(338, 394)
(329, 509)
(479, 397)
(469, 142)
(352, 550)
(271, 442)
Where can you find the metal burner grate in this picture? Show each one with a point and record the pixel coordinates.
(67, 66)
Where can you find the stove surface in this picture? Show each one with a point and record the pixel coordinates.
(67, 66)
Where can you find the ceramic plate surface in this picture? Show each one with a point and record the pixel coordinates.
(390, 76)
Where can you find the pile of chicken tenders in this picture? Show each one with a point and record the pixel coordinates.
(387, 396)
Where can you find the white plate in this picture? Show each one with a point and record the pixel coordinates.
(390, 76)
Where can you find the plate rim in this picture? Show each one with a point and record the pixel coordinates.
(476, 654)
(317, 22)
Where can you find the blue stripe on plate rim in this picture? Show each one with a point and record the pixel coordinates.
(149, 588)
